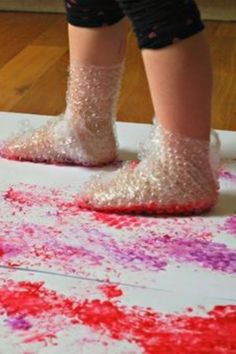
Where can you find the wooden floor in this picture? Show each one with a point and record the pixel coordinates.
(34, 59)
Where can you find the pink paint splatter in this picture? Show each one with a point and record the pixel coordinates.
(58, 252)
(31, 195)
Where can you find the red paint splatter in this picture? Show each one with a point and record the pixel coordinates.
(31, 195)
(23, 198)
(151, 331)
(43, 338)
(111, 291)
(122, 221)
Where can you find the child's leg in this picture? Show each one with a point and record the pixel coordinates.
(180, 80)
(103, 46)
(175, 173)
(85, 133)
(179, 72)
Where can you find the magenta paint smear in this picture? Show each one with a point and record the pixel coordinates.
(18, 323)
(228, 176)
(230, 225)
(155, 253)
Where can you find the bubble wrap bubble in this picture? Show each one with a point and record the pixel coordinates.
(85, 133)
(175, 175)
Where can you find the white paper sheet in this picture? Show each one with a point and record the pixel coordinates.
(187, 261)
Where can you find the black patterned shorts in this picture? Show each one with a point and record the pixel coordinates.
(157, 23)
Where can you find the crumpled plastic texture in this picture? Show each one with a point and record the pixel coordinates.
(175, 174)
(85, 133)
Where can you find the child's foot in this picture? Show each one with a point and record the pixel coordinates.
(57, 142)
(176, 176)
(85, 133)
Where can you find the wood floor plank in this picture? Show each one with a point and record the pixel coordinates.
(47, 94)
(34, 58)
(224, 98)
(211, 29)
(54, 35)
(17, 77)
(226, 29)
(17, 30)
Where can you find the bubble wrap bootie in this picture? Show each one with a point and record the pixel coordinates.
(174, 175)
(85, 133)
